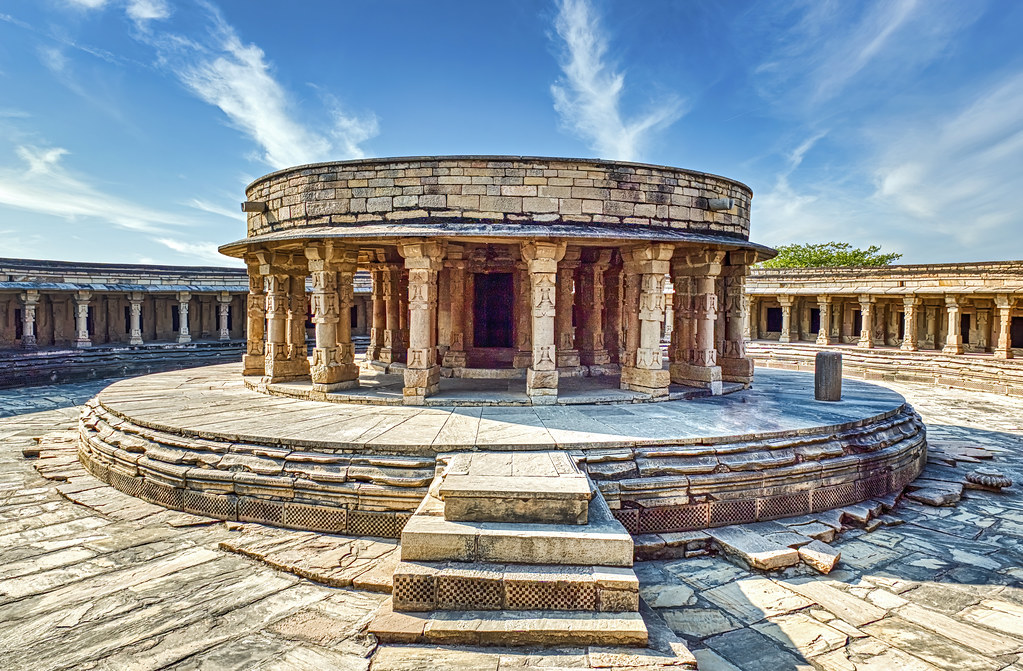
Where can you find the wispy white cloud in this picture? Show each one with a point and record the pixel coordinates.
(41, 184)
(198, 253)
(86, 4)
(589, 98)
(142, 11)
(213, 208)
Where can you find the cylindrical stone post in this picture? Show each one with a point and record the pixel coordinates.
(223, 312)
(183, 333)
(827, 379)
(824, 317)
(29, 300)
(82, 338)
(135, 319)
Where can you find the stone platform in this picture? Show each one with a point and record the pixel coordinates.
(201, 442)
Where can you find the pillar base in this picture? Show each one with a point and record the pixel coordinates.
(784, 338)
(867, 344)
(736, 370)
(568, 358)
(334, 376)
(823, 340)
(253, 364)
(952, 349)
(29, 342)
(708, 377)
(83, 343)
(542, 386)
(454, 359)
(522, 359)
(392, 355)
(1002, 354)
(908, 347)
(139, 341)
(182, 339)
(648, 381)
(420, 383)
(225, 336)
(596, 357)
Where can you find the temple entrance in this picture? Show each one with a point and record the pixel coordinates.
(492, 310)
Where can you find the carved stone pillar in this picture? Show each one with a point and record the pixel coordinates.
(909, 305)
(298, 314)
(183, 333)
(747, 317)
(631, 281)
(930, 327)
(523, 357)
(223, 312)
(753, 318)
(735, 365)
(613, 296)
(786, 318)
(135, 318)
(455, 356)
(332, 268)
(1003, 346)
(824, 328)
(82, 338)
(282, 359)
(253, 362)
(644, 371)
(392, 350)
(422, 374)
(29, 301)
(954, 339)
(590, 286)
(568, 355)
(403, 314)
(983, 330)
(379, 315)
(542, 266)
(683, 334)
(866, 326)
(697, 365)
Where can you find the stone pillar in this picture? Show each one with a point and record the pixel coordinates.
(824, 328)
(645, 369)
(753, 318)
(735, 365)
(954, 339)
(542, 265)
(82, 299)
(786, 318)
(983, 330)
(455, 356)
(909, 305)
(392, 350)
(379, 315)
(567, 354)
(590, 287)
(29, 301)
(403, 315)
(697, 366)
(422, 374)
(298, 312)
(866, 328)
(183, 334)
(333, 270)
(282, 359)
(135, 318)
(613, 290)
(847, 322)
(1003, 346)
(253, 362)
(523, 357)
(930, 327)
(630, 311)
(223, 312)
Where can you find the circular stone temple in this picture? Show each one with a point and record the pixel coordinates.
(547, 274)
(473, 262)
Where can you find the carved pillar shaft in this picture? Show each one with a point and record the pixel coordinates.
(393, 349)
(1003, 346)
(954, 337)
(630, 312)
(333, 269)
(735, 365)
(135, 319)
(696, 357)
(521, 317)
(253, 362)
(223, 313)
(423, 260)
(613, 289)
(379, 324)
(568, 355)
(276, 351)
(909, 306)
(183, 333)
(455, 357)
(590, 285)
(644, 371)
(542, 266)
(824, 317)
(82, 338)
(866, 319)
(786, 318)
(29, 301)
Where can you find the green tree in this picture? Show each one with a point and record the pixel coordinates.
(829, 255)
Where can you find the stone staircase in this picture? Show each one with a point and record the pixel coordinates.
(514, 548)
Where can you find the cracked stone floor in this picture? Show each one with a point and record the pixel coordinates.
(121, 584)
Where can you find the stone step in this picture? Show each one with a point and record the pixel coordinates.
(510, 628)
(602, 541)
(521, 487)
(426, 586)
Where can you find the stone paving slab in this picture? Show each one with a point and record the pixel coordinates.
(80, 588)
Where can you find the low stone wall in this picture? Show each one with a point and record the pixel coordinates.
(23, 369)
(970, 372)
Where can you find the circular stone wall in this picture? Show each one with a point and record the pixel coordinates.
(199, 441)
(570, 197)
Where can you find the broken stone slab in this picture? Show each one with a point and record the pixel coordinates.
(815, 531)
(752, 549)
(819, 556)
(934, 496)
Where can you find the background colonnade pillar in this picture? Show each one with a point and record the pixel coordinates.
(567, 354)
(866, 321)
(29, 301)
(954, 337)
(223, 313)
(909, 306)
(379, 315)
(697, 366)
(82, 299)
(1003, 345)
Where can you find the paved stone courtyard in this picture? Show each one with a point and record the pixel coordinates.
(116, 583)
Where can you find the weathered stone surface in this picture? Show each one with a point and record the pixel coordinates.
(753, 549)
(820, 556)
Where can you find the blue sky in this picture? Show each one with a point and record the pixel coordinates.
(129, 128)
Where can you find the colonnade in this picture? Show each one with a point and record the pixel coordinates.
(950, 322)
(574, 310)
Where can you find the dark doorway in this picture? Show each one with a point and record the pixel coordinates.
(815, 320)
(492, 310)
(774, 319)
(1016, 332)
(857, 323)
(902, 326)
(964, 328)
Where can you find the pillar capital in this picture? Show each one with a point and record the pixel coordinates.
(824, 299)
(30, 297)
(542, 256)
(785, 300)
(1004, 301)
(952, 301)
(649, 259)
(696, 264)
(422, 254)
(910, 302)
